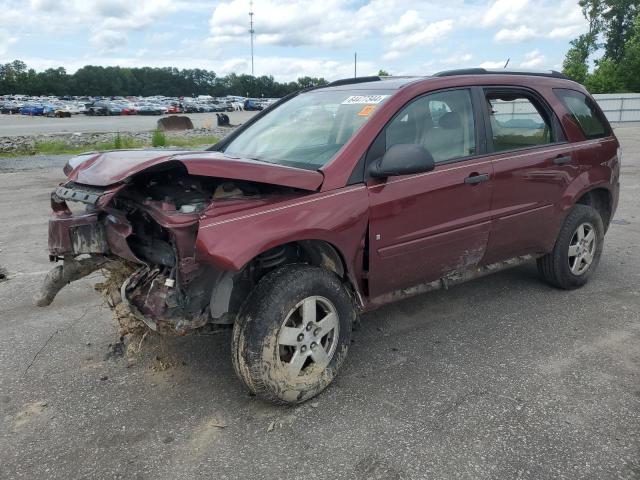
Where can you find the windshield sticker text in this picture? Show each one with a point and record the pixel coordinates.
(364, 99)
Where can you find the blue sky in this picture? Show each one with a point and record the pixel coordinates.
(293, 38)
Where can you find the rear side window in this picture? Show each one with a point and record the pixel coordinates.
(584, 112)
(517, 121)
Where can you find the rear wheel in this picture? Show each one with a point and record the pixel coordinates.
(577, 250)
(293, 334)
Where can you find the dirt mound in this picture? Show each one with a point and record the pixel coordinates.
(175, 122)
(110, 289)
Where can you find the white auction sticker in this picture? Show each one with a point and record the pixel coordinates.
(364, 99)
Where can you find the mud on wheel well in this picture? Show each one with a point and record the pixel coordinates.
(232, 288)
(314, 252)
(600, 200)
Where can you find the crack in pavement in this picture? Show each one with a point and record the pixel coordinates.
(58, 330)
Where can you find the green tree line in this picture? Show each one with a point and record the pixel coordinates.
(614, 34)
(17, 78)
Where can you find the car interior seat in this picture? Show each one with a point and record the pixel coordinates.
(447, 140)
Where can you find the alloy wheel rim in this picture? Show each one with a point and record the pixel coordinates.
(582, 248)
(308, 337)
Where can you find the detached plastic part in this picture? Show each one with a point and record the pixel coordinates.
(61, 275)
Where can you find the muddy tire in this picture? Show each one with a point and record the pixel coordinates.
(293, 334)
(577, 251)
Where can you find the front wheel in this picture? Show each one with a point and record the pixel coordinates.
(293, 334)
(577, 250)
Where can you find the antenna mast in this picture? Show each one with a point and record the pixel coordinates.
(355, 64)
(251, 31)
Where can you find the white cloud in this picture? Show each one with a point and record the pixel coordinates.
(284, 23)
(6, 40)
(533, 59)
(515, 35)
(520, 20)
(410, 21)
(458, 58)
(108, 40)
(424, 35)
(414, 32)
(108, 21)
(570, 31)
(504, 12)
(157, 38)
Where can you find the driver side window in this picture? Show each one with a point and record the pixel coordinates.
(442, 122)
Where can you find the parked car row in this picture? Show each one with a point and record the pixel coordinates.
(37, 108)
(94, 106)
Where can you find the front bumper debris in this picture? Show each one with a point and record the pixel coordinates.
(71, 269)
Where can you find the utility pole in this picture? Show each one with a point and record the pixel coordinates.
(251, 32)
(355, 64)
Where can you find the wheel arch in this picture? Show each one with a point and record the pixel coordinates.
(584, 190)
(591, 188)
(601, 200)
(314, 252)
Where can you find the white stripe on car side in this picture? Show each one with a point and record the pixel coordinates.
(277, 209)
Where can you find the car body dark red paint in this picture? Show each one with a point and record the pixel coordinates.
(109, 168)
(385, 238)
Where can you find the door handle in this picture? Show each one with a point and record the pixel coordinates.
(562, 159)
(476, 178)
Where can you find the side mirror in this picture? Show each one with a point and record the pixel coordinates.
(402, 159)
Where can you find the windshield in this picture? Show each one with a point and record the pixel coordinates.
(308, 130)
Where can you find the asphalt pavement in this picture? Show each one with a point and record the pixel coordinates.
(500, 378)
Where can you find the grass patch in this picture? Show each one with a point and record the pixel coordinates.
(57, 147)
(52, 147)
(192, 141)
(158, 139)
(60, 147)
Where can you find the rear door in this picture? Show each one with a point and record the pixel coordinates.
(425, 225)
(533, 165)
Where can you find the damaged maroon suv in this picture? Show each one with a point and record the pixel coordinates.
(337, 200)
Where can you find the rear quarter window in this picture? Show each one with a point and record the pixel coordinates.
(585, 113)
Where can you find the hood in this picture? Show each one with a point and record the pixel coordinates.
(108, 168)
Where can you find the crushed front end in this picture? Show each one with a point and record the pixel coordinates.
(148, 222)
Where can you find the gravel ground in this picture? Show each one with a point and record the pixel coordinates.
(32, 162)
(500, 378)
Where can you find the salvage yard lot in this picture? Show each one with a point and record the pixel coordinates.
(502, 377)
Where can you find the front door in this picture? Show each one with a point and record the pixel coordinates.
(426, 225)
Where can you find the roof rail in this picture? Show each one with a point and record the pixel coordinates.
(484, 71)
(350, 81)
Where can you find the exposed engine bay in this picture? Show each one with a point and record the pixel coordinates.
(151, 222)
